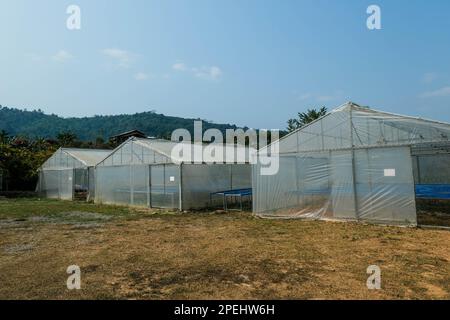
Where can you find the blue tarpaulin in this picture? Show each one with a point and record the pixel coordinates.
(433, 191)
(236, 193)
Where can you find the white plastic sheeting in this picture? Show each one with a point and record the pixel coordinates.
(329, 185)
(138, 185)
(159, 186)
(199, 181)
(354, 163)
(156, 151)
(352, 126)
(91, 184)
(65, 158)
(113, 185)
(165, 186)
(385, 185)
(141, 172)
(56, 184)
(69, 170)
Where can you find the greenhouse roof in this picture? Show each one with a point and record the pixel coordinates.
(71, 158)
(89, 157)
(353, 126)
(152, 151)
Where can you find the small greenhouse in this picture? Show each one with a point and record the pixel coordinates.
(145, 172)
(70, 172)
(355, 163)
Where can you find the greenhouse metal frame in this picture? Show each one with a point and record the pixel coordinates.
(144, 172)
(354, 163)
(68, 171)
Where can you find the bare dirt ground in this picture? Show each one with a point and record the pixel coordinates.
(145, 254)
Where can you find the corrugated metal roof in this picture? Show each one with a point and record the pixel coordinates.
(89, 157)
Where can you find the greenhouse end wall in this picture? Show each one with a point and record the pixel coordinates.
(56, 184)
(374, 184)
(64, 183)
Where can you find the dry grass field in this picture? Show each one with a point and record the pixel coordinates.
(147, 254)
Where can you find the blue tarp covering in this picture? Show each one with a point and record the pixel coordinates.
(433, 191)
(237, 192)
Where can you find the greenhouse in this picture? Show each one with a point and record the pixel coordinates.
(70, 173)
(356, 163)
(145, 172)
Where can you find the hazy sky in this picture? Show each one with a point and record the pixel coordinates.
(248, 62)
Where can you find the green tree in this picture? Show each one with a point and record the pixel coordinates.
(306, 117)
(66, 139)
(99, 141)
(4, 136)
(21, 162)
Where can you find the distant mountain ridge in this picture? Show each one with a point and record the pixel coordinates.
(38, 124)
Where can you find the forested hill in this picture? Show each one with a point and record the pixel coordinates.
(38, 124)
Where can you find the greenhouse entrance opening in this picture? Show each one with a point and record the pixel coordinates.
(431, 164)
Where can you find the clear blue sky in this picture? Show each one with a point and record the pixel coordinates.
(248, 62)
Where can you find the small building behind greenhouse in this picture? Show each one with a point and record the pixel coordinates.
(145, 172)
(70, 173)
(356, 163)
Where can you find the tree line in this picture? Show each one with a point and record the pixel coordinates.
(36, 123)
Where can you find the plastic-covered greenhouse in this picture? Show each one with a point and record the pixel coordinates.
(143, 172)
(354, 163)
(69, 171)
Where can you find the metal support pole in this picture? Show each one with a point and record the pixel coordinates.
(148, 187)
(355, 198)
(150, 184)
(131, 186)
(180, 187)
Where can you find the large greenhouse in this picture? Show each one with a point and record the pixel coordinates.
(70, 172)
(355, 163)
(145, 172)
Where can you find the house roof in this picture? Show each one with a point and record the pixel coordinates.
(127, 133)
